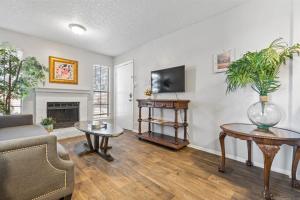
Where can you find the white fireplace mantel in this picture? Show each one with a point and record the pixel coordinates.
(44, 95)
(56, 90)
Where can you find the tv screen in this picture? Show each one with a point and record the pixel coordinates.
(168, 80)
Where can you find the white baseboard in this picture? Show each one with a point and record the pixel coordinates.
(237, 158)
(240, 159)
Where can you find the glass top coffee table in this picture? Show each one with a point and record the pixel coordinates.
(104, 129)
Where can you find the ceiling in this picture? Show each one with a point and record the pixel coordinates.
(113, 26)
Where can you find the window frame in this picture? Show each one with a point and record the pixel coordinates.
(20, 105)
(101, 92)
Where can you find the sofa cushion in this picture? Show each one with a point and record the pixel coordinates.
(29, 131)
(15, 120)
(21, 132)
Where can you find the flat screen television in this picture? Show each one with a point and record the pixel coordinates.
(168, 80)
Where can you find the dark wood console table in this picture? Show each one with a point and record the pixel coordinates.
(269, 143)
(165, 140)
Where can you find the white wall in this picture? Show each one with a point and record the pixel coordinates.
(42, 49)
(295, 82)
(251, 26)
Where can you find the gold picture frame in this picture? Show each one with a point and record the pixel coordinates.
(63, 70)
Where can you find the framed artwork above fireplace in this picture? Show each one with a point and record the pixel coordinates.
(63, 70)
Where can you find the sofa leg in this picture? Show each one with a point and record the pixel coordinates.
(69, 197)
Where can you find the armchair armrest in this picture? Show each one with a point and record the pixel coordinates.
(30, 169)
(15, 120)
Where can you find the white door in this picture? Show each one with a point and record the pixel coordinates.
(123, 97)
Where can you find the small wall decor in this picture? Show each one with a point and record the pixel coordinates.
(223, 60)
(63, 70)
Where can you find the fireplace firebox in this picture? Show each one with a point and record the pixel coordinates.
(65, 114)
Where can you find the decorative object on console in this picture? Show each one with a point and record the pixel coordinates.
(223, 60)
(63, 70)
(48, 124)
(21, 75)
(148, 93)
(158, 138)
(260, 69)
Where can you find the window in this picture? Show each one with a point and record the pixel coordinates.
(16, 106)
(101, 92)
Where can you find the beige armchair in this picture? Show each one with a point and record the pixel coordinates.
(30, 168)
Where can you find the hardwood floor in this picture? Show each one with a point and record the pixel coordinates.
(145, 171)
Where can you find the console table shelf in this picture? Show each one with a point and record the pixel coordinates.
(164, 140)
(162, 122)
(158, 138)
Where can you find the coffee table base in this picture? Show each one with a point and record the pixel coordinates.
(101, 150)
(105, 156)
(296, 184)
(82, 149)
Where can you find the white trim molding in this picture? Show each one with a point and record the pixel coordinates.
(55, 90)
(240, 159)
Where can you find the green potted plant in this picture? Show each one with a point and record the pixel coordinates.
(48, 123)
(17, 76)
(260, 70)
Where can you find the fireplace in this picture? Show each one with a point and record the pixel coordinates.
(64, 113)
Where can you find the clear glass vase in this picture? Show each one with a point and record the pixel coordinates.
(264, 114)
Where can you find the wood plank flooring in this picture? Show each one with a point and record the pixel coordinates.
(145, 171)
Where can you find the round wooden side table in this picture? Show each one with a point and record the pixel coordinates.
(269, 143)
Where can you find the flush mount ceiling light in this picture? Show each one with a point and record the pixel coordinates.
(77, 28)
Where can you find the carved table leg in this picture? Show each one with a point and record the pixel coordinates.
(176, 126)
(149, 123)
(222, 164)
(140, 120)
(269, 152)
(296, 158)
(185, 125)
(249, 146)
